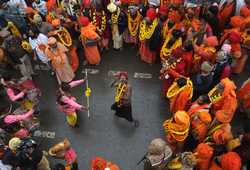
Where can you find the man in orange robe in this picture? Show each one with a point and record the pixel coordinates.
(180, 98)
(225, 108)
(244, 97)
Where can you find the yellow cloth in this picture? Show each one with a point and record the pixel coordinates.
(72, 119)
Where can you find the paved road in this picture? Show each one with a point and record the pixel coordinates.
(103, 134)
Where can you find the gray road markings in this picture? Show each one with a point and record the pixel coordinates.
(142, 75)
(91, 71)
(45, 134)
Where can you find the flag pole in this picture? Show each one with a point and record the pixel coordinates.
(87, 91)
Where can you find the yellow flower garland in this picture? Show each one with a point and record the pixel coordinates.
(146, 32)
(100, 28)
(115, 16)
(165, 51)
(133, 24)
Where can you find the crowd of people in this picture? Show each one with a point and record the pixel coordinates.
(200, 45)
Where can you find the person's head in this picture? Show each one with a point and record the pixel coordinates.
(123, 77)
(188, 46)
(33, 31)
(14, 144)
(150, 15)
(52, 42)
(37, 19)
(65, 87)
(59, 167)
(177, 33)
(203, 99)
(163, 11)
(214, 9)
(133, 10)
(181, 82)
(206, 68)
(37, 1)
(190, 13)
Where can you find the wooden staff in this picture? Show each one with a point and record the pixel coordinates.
(87, 91)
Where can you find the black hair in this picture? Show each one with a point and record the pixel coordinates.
(205, 99)
(59, 166)
(65, 87)
(214, 9)
(188, 46)
(181, 82)
(7, 76)
(34, 29)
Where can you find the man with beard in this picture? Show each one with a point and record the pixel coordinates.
(122, 105)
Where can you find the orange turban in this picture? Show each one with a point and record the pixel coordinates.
(181, 117)
(231, 160)
(98, 163)
(245, 12)
(204, 155)
(56, 22)
(236, 21)
(174, 16)
(212, 41)
(205, 117)
(204, 150)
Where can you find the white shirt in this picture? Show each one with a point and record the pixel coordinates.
(40, 7)
(4, 167)
(20, 4)
(34, 43)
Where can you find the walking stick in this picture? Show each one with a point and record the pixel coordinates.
(87, 91)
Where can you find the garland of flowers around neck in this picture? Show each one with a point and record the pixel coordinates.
(146, 31)
(115, 16)
(133, 24)
(100, 28)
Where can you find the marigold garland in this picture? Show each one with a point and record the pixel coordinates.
(133, 23)
(165, 51)
(115, 16)
(100, 28)
(146, 31)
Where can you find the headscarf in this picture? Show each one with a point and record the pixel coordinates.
(112, 7)
(236, 21)
(151, 14)
(163, 10)
(211, 41)
(174, 16)
(84, 21)
(37, 18)
(181, 117)
(98, 163)
(226, 48)
(245, 12)
(14, 143)
(231, 160)
(155, 3)
(205, 117)
(56, 22)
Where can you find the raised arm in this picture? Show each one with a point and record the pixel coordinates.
(12, 95)
(16, 118)
(76, 83)
(71, 102)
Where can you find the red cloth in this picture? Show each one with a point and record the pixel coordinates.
(84, 21)
(234, 37)
(231, 161)
(204, 155)
(163, 10)
(151, 14)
